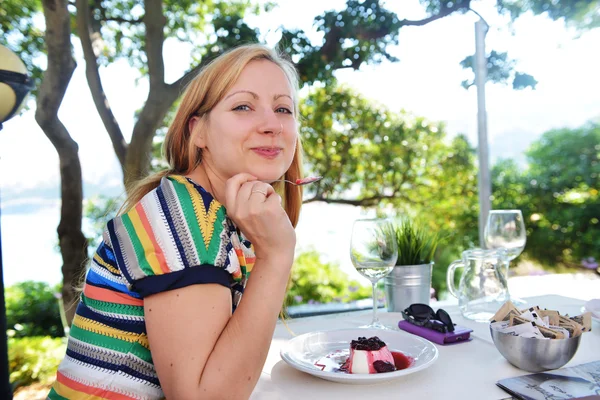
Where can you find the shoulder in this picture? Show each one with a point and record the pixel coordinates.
(174, 227)
(178, 203)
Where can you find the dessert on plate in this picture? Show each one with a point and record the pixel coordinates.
(369, 356)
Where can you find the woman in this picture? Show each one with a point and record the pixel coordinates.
(160, 313)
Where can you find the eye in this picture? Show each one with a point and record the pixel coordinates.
(242, 107)
(284, 110)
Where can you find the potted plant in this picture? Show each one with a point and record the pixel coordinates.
(410, 280)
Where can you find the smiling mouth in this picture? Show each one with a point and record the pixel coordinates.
(267, 152)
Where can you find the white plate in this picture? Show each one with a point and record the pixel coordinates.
(302, 352)
(594, 307)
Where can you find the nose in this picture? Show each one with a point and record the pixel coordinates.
(271, 123)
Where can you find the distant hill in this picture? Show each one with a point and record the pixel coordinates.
(17, 200)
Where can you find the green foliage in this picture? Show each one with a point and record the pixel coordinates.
(358, 34)
(396, 160)
(522, 81)
(21, 34)
(453, 207)
(349, 140)
(558, 195)
(315, 281)
(441, 6)
(500, 70)
(34, 359)
(445, 255)
(580, 14)
(210, 26)
(416, 243)
(32, 309)
(98, 211)
(361, 33)
(387, 158)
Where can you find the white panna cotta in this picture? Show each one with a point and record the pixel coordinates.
(369, 356)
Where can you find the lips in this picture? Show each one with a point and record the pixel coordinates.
(267, 152)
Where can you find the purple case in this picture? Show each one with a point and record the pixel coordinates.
(460, 334)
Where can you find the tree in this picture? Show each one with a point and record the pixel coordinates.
(370, 156)
(109, 30)
(138, 30)
(384, 156)
(558, 194)
(56, 78)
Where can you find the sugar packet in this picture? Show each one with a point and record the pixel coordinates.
(507, 310)
(526, 329)
(533, 315)
(548, 324)
(573, 327)
(585, 320)
(552, 316)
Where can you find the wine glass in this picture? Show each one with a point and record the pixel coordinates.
(505, 229)
(373, 251)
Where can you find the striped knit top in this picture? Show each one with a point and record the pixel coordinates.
(177, 235)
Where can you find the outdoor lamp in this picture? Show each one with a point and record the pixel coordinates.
(15, 84)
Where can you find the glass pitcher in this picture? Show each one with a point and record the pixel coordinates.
(482, 289)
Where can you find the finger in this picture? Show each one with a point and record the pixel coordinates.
(275, 199)
(257, 194)
(249, 190)
(274, 204)
(261, 189)
(232, 188)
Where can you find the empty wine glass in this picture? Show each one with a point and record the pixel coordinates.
(505, 229)
(373, 251)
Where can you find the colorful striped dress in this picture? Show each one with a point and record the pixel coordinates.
(177, 235)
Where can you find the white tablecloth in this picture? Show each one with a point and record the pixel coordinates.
(463, 371)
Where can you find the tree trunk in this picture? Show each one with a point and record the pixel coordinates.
(160, 98)
(87, 36)
(139, 151)
(61, 64)
(135, 156)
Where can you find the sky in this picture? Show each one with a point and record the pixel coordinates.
(426, 82)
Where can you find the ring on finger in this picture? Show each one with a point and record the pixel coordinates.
(259, 191)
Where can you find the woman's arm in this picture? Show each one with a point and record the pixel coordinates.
(198, 348)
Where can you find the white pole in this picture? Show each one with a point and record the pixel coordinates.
(485, 186)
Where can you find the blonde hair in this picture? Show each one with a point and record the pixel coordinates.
(202, 94)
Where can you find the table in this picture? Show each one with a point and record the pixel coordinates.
(464, 371)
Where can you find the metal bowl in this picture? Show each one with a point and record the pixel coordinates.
(535, 355)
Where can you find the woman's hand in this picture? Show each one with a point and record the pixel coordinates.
(256, 209)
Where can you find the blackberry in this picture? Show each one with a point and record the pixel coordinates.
(383, 366)
(370, 344)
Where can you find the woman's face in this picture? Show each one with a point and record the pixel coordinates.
(253, 128)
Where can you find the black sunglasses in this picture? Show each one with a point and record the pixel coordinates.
(21, 84)
(423, 315)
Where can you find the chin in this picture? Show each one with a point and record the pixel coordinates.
(269, 175)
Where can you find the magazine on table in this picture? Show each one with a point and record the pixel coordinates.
(575, 382)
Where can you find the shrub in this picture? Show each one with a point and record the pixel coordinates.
(32, 310)
(34, 359)
(314, 281)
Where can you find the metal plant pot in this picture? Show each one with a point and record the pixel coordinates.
(408, 284)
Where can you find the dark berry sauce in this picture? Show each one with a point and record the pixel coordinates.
(402, 361)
